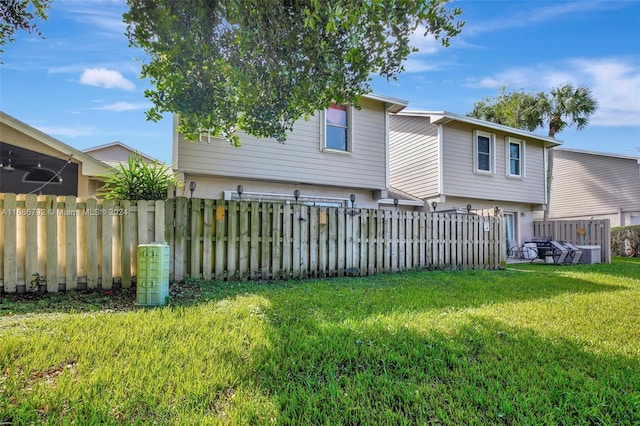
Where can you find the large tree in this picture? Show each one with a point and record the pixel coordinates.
(18, 15)
(564, 106)
(259, 65)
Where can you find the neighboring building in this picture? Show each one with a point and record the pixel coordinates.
(34, 162)
(327, 158)
(115, 153)
(468, 165)
(595, 185)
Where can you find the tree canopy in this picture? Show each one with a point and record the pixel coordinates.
(564, 106)
(259, 65)
(18, 15)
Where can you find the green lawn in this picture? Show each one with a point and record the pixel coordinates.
(533, 344)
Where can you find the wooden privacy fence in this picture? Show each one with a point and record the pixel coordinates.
(579, 232)
(69, 243)
(73, 243)
(250, 240)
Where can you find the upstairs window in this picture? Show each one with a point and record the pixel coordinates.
(515, 152)
(337, 128)
(483, 152)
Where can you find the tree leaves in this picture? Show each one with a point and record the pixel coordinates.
(20, 15)
(258, 66)
(564, 106)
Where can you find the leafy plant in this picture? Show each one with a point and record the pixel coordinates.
(138, 180)
(21, 15)
(625, 241)
(258, 66)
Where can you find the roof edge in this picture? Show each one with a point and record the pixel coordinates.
(90, 166)
(118, 143)
(443, 117)
(392, 104)
(603, 154)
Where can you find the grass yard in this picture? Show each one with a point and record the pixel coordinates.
(533, 344)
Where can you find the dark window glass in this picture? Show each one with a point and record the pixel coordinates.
(514, 159)
(337, 130)
(484, 153)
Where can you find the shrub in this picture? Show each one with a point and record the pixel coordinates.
(138, 180)
(625, 241)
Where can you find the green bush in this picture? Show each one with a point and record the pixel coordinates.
(138, 180)
(625, 241)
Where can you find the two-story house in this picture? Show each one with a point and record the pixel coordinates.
(461, 164)
(338, 157)
(595, 185)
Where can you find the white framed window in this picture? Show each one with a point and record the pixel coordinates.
(337, 129)
(483, 152)
(515, 157)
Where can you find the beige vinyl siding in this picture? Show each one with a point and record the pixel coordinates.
(111, 153)
(461, 181)
(413, 156)
(590, 184)
(300, 159)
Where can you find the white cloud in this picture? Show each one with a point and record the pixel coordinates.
(106, 78)
(424, 43)
(615, 83)
(69, 132)
(553, 12)
(413, 64)
(105, 15)
(123, 106)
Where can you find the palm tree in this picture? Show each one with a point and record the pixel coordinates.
(564, 107)
(567, 106)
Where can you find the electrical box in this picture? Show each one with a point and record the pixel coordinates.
(152, 287)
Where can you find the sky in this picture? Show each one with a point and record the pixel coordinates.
(81, 83)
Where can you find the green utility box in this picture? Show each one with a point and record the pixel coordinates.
(152, 286)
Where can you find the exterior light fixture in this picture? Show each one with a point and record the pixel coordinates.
(296, 194)
(192, 187)
(352, 197)
(396, 202)
(240, 190)
(496, 210)
(434, 204)
(468, 208)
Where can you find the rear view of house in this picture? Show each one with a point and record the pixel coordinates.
(461, 164)
(334, 156)
(595, 185)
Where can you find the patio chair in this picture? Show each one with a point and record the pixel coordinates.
(531, 252)
(514, 250)
(560, 252)
(575, 253)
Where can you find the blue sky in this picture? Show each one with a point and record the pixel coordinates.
(81, 82)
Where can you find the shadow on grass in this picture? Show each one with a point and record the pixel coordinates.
(416, 290)
(482, 372)
(412, 348)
